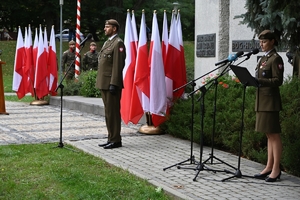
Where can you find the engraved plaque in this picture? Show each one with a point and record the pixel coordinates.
(206, 45)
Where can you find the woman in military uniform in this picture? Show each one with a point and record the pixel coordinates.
(269, 73)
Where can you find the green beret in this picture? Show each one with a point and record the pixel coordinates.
(267, 34)
(93, 44)
(71, 42)
(112, 22)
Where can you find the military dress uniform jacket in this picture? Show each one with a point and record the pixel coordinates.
(269, 73)
(90, 61)
(111, 61)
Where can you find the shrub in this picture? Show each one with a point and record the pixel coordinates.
(88, 81)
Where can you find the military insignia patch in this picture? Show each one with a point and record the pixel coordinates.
(121, 49)
(280, 66)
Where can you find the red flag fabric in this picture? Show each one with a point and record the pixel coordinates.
(172, 66)
(52, 64)
(41, 73)
(18, 76)
(141, 88)
(158, 100)
(128, 71)
(28, 70)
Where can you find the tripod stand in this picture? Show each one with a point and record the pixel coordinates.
(247, 80)
(61, 86)
(192, 157)
(212, 156)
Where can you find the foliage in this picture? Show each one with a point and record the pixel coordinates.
(88, 81)
(40, 171)
(47, 13)
(280, 16)
(226, 108)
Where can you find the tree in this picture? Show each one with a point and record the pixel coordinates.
(282, 17)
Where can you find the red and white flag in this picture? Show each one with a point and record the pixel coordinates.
(28, 70)
(181, 76)
(134, 30)
(158, 100)
(52, 64)
(173, 62)
(141, 88)
(165, 39)
(35, 50)
(41, 72)
(18, 76)
(128, 71)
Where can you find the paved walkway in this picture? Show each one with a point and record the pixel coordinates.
(144, 155)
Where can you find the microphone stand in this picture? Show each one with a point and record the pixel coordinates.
(61, 86)
(192, 157)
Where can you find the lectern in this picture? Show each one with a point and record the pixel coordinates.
(2, 99)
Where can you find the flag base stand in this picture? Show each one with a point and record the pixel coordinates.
(39, 102)
(150, 130)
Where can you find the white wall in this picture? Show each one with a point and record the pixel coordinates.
(207, 22)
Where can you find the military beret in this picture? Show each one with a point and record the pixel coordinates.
(267, 34)
(93, 44)
(71, 42)
(112, 22)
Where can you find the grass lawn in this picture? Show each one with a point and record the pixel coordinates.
(42, 171)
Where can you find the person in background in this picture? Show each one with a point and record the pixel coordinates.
(269, 74)
(68, 58)
(111, 61)
(90, 58)
(6, 34)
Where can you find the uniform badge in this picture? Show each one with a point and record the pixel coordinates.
(121, 49)
(280, 66)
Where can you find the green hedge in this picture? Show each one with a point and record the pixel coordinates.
(228, 119)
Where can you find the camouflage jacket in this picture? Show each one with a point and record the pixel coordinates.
(90, 61)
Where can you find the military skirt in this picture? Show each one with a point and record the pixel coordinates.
(268, 122)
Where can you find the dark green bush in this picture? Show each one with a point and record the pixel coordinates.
(228, 118)
(85, 86)
(88, 81)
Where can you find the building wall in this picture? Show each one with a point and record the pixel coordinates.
(209, 19)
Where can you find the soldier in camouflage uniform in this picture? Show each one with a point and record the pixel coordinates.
(90, 58)
(67, 59)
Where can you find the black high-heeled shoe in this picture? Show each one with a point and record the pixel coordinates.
(269, 179)
(262, 176)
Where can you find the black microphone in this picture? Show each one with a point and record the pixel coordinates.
(231, 57)
(89, 36)
(254, 51)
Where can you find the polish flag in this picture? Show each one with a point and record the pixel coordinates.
(34, 51)
(181, 76)
(52, 64)
(141, 88)
(18, 76)
(41, 72)
(173, 62)
(165, 39)
(28, 70)
(158, 100)
(128, 71)
(134, 30)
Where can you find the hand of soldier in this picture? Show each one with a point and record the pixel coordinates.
(112, 89)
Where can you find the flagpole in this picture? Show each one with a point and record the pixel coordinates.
(61, 3)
